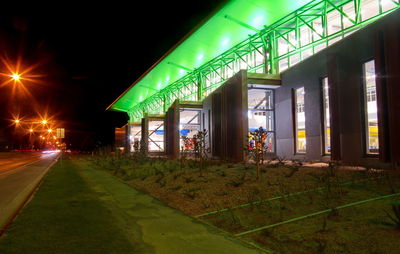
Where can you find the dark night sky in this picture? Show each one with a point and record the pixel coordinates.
(88, 55)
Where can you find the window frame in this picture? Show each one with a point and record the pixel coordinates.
(323, 116)
(295, 123)
(364, 111)
(273, 110)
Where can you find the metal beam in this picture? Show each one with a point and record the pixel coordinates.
(241, 23)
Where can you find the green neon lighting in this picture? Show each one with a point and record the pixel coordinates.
(207, 39)
(282, 41)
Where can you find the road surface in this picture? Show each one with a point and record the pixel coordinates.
(20, 173)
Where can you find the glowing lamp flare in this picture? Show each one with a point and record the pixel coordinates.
(44, 122)
(17, 121)
(50, 130)
(15, 76)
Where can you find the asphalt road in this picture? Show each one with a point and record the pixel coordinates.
(19, 175)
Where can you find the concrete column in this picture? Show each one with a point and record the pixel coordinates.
(334, 108)
(392, 64)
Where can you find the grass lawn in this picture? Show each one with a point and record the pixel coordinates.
(65, 216)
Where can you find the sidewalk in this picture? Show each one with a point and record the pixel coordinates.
(161, 229)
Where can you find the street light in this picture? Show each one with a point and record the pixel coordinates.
(49, 130)
(17, 121)
(15, 77)
(44, 121)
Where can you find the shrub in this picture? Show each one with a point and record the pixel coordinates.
(256, 147)
(200, 149)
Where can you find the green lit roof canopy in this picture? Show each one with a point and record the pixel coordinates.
(227, 27)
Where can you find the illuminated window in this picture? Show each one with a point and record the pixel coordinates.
(189, 125)
(261, 114)
(388, 4)
(292, 39)
(319, 47)
(350, 11)
(300, 120)
(294, 59)
(369, 9)
(283, 64)
(282, 46)
(306, 53)
(135, 137)
(334, 22)
(156, 136)
(319, 30)
(371, 109)
(305, 35)
(326, 116)
(259, 56)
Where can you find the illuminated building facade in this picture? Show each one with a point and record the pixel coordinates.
(319, 76)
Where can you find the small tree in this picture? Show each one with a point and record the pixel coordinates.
(136, 146)
(256, 147)
(185, 148)
(200, 149)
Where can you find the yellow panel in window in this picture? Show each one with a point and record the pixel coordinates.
(301, 134)
(373, 131)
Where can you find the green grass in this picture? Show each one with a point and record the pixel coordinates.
(65, 216)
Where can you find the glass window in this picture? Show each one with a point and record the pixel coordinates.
(319, 47)
(305, 35)
(369, 9)
(282, 46)
(350, 12)
(189, 125)
(388, 4)
(294, 59)
(156, 136)
(334, 22)
(283, 64)
(306, 53)
(135, 137)
(292, 39)
(371, 109)
(229, 70)
(259, 56)
(336, 39)
(300, 120)
(326, 116)
(317, 25)
(261, 114)
(243, 64)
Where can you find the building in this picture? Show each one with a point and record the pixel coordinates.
(320, 76)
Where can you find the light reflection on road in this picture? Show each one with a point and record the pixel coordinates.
(14, 161)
